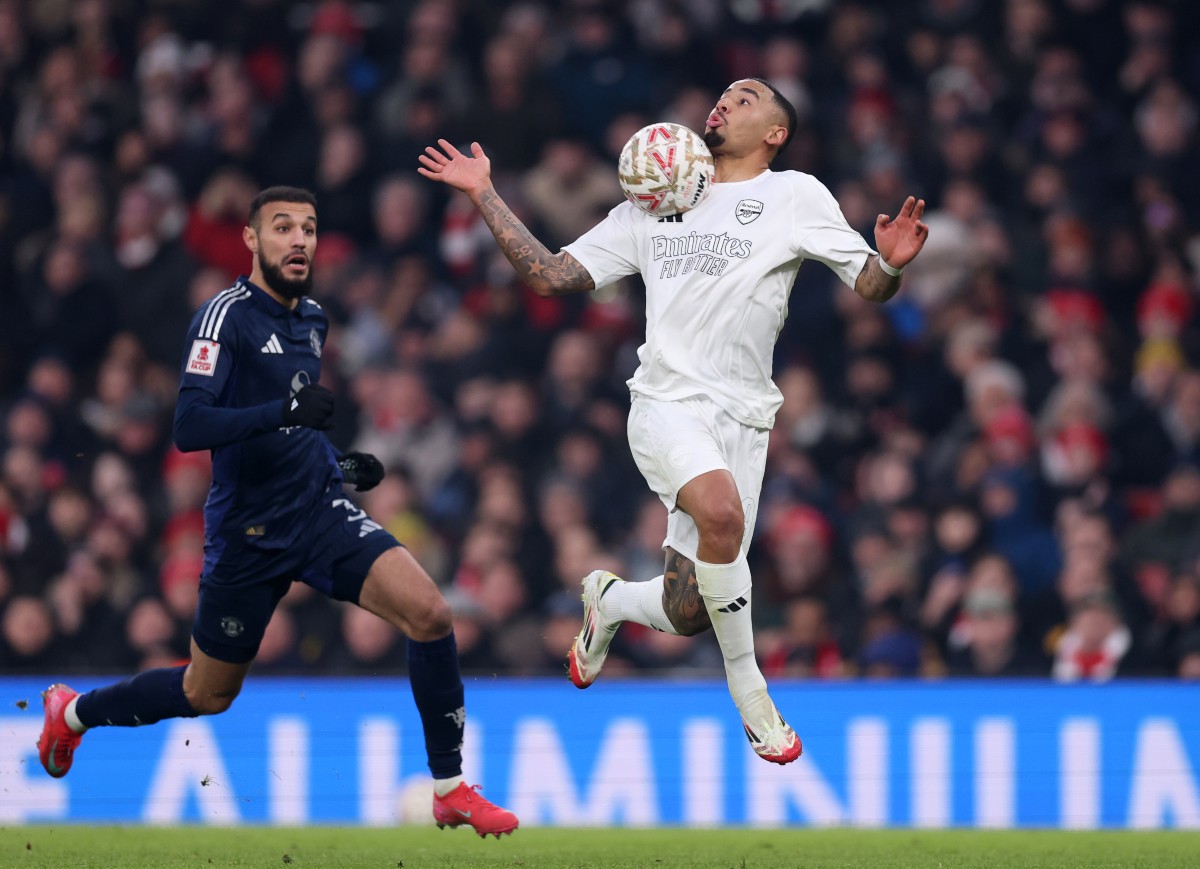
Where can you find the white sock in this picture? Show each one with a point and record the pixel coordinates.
(726, 592)
(639, 602)
(72, 719)
(443, 786)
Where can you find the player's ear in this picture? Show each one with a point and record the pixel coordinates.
(250, 238)
(776, 136)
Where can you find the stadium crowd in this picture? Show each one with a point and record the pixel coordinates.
(997, 473)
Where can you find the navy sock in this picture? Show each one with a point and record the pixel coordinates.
(438, 689)
(146, 698)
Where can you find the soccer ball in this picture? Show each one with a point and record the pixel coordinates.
(665, 169)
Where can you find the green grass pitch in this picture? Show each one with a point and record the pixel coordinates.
(62, 847)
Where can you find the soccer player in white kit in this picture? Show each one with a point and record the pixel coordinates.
(717, 285)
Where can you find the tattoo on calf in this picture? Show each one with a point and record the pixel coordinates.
(681, 596)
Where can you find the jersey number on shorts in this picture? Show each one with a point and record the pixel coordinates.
(356, 515)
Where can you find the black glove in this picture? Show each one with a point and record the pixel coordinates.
(361, 470)
(311, 407)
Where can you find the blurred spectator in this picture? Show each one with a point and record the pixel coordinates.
(279, 650)
(403, 425)
(213, 235)
(1189, 657)
(179, 582)
(643, 553)
(958, 543)
(398, 210)
(1016, 530)
(1095, 643)
(569, 190)
(395, 504)
(517, 107)
(893, 652)
(806, 647)
(992, 647)
(471, 634)
(152, 259)
(1170, 539)
(989, 387)
(562, 614)
(369, 645)
(27, 635)
(342, 181)
(427, 65)
(70, 308)
(998, 465)
(1181, 416)
(1173, 637)
(153, 635)
(581, 459)
(803, 562)
(599, 73)
(810, 422)
(87, 615)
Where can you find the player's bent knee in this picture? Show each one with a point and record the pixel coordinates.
(210, 702)
(721, 529)
(722, 523)
(433, 622)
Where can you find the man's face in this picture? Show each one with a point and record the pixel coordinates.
(745, 116)
(284, 242)
(992, 630)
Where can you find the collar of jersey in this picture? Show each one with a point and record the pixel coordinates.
(727, 184)
(259, 297)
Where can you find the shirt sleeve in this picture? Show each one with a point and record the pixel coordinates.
(609, 250)
(209, 351)
(201, 425)
(210, 354)
(822, 233)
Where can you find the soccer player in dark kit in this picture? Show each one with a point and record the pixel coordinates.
(276, 513)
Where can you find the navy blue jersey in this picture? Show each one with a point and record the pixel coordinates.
(246, 353)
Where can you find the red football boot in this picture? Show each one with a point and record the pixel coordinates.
(57, 744)
(464, 805)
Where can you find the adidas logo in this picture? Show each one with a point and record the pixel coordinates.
(272, 345)
(733, 607)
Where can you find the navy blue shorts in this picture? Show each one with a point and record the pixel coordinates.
(239, 594)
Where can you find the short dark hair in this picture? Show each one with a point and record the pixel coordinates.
(788, 109)
(279, 193)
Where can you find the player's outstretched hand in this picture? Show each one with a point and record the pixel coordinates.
(451, 166)
(311, 407)
(900, 239)
(361, 470)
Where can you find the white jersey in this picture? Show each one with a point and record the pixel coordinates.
(717, 283)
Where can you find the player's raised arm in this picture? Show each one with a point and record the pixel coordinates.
(547, 274)
(898, 241)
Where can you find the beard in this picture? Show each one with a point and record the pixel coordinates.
(713, 138)
(289, 288)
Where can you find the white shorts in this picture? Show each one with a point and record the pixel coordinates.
(673, 442)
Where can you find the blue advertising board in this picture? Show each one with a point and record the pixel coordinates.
(637, 753)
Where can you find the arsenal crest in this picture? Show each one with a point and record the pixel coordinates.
(748, 211)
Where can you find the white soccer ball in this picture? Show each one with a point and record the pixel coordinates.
(665, 169)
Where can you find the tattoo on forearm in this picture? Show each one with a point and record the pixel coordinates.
(874, 284)
(535, 265)
(681, 596)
